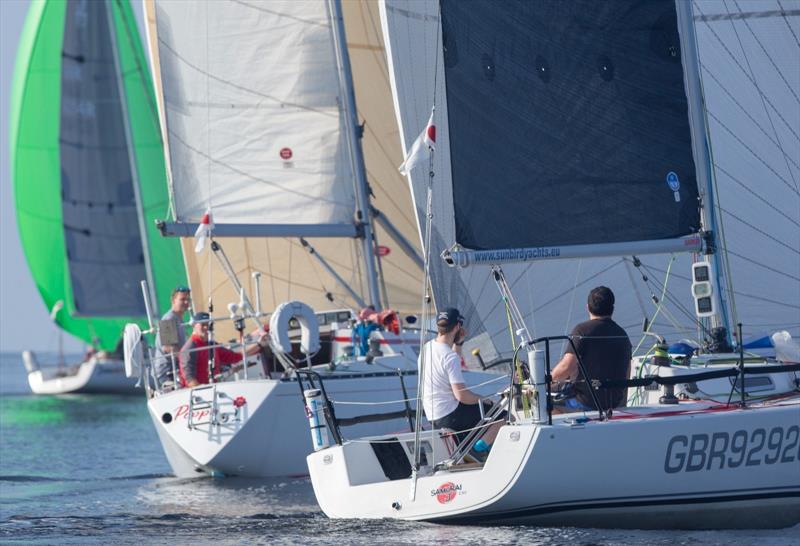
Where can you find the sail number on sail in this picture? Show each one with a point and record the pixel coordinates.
(724, 450)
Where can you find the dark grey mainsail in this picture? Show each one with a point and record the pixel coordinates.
(568, 122)
(104, 249)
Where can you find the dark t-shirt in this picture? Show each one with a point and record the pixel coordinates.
(605, 350)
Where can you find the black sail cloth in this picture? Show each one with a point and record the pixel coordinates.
(568, 123)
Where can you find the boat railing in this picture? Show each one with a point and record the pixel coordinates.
(671, 380)
(516, 381)
(310, 379)
(739, 371)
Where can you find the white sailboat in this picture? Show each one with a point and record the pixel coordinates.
(261, 130)
(591, 131)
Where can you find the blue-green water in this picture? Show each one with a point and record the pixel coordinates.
(89, 469)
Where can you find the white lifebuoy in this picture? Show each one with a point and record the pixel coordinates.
(132, 350)
(309, 327)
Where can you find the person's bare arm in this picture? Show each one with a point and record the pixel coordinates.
(566, 369)
(463, 394)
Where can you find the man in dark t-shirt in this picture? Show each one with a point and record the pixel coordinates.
(605, 350)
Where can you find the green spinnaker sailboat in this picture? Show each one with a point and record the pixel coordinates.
(88, 168)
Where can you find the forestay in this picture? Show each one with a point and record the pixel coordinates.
(504, 122)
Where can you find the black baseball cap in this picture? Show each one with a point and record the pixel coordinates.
(202, 316)
(449, 317)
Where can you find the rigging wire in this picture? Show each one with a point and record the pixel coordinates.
(725, 89)
(762, 265)
(761, 95)
(759, 230)
(761, 45)
(786, 20)
(426, 285)
(754, 194)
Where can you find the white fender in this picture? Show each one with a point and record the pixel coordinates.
(133, 350)
(786, 348)
(309, 327)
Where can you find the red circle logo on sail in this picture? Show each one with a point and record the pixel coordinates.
(383, 251)
(286, 153)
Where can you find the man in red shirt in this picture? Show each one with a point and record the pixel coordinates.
(194, 360)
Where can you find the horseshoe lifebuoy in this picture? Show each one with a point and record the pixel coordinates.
(309, 327)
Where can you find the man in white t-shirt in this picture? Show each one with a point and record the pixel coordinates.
(446, 400)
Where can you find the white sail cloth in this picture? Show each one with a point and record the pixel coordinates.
(253, 118)
(288, 271)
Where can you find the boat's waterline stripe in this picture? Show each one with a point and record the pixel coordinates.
(702, 497)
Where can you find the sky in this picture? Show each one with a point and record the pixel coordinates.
(24, 321)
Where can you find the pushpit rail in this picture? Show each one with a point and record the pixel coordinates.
(310, 379)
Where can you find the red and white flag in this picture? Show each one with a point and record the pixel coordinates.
(425, 140)
(203, 231)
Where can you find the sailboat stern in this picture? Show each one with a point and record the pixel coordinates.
(373, 478)
(199, 427)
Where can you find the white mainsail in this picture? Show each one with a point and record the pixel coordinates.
(257, 132)
(553, 293)
(750, 65)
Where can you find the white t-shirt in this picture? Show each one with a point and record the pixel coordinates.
(442, 369)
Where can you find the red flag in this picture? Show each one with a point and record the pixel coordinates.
(426, 139)
(203, 231)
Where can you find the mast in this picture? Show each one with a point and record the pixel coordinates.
(137, 192)
(354, 134)
(700, 148)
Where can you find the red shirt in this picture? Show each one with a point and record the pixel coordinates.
(194, 364)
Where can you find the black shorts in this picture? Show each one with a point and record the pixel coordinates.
(464, 417)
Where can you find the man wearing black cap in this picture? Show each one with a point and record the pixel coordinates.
(605, 350)
(180, 302)
(194, 360)
(446, 400)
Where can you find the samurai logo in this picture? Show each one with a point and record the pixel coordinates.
(446, 492)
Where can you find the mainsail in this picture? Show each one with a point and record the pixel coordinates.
(257, 132)
(544, 144)
(88, 174)
(749, 52)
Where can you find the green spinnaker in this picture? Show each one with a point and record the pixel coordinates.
(37, 167)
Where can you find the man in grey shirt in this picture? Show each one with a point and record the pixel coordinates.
(181, 301)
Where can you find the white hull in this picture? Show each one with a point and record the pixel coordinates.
(648, 467)
(93, 376)
(270, 436)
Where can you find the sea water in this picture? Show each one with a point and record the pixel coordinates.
(87, 469)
